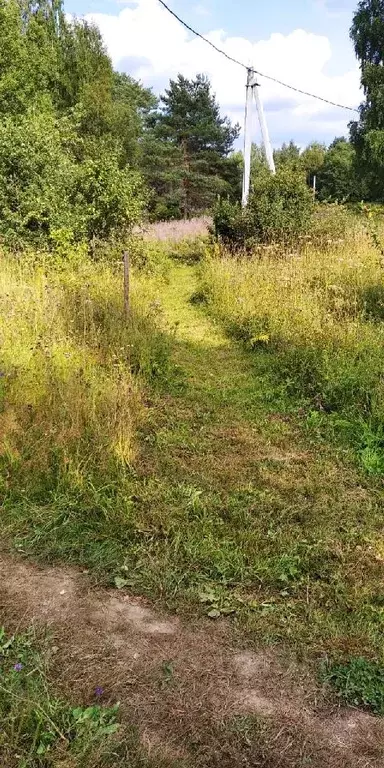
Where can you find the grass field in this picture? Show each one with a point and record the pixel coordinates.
(221, 453)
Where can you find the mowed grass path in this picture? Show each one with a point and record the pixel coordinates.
(253, 519)
(230, 509)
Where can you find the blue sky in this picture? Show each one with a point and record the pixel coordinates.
(304, 42)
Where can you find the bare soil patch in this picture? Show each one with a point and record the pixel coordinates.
(196, 698)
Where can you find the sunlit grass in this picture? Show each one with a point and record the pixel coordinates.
(319, 313)
(165, 457)
(71, 367)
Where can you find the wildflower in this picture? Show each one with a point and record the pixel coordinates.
(99, 691)
(18, 667)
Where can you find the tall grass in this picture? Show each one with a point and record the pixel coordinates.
(320, 313)
(72, 371)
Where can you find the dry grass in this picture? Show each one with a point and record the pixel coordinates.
(175, 231)
(195, 699)
(71, 404)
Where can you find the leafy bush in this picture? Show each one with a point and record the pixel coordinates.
(35, 174)
(281, 207)
(105, 198)
(46, 189)
(359, 682)
(279, 211)
(233, 225)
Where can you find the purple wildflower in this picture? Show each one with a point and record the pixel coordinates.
(99, 691)
(18, 667)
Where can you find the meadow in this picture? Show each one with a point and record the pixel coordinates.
(220, 451)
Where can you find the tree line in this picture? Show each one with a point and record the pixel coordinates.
(84, 150)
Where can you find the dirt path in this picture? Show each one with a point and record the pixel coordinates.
(199, 700)
(195, 697)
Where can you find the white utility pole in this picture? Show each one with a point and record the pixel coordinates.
(247, 137)
(253, 91)
(264, 130)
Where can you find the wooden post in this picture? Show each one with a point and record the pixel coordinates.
(126, 285)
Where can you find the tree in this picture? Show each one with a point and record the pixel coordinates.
(259, 165)
(337, 178)
(198, 142)
(312, 160)
(287, 156)
(69, 128)
(367, 134)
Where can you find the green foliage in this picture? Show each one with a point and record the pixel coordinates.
(280, 207)
(288, 156)
(70, 128)
(185, 157)
(233, 226)
(319, 316)
(337, 179)
(279, 211)
(68, 352)
(367, 134)
(107, 199)
(312, 159)
(213, 513)
(44, 189)
(359, 682)
(35, 175)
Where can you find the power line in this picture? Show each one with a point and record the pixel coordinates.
(241, 64)
(184, 23)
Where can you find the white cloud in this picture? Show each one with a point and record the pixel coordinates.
(149, 43)
(201, 10)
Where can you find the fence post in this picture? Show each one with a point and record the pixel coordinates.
(126, 285)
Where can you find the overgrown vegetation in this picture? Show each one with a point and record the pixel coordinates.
(224, 478)
(40, 729)
(186, 501)
(318, 313)
(279, 211)
(70, 402)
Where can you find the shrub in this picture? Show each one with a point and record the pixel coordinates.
(46, 188)
(233, 225)
(35, 174)
(105, 198)
(279, 211)
(281, 207)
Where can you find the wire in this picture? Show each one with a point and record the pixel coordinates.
(241, 64)
(184, 23)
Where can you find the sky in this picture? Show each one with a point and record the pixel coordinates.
(302, 42)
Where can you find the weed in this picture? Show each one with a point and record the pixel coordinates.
(37, 727)
(359, 682)
(230, 502)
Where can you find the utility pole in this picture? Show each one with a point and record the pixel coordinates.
(247, 137)
(252, 90)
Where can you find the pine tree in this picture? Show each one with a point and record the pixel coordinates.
(196, 141)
